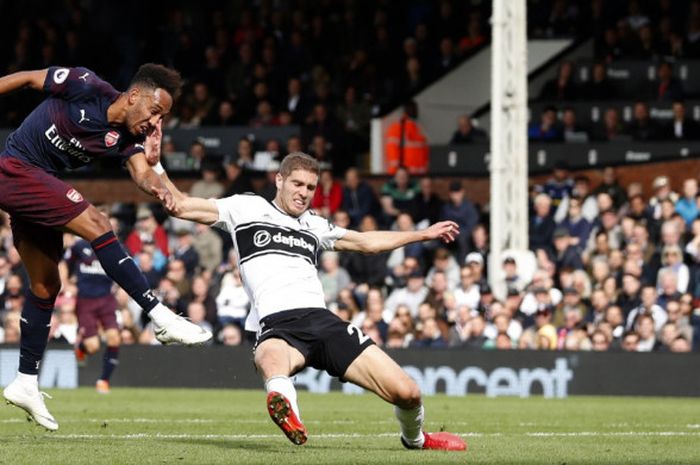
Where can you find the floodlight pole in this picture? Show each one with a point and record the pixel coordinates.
(508, 164)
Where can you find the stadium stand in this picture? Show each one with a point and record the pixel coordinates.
(310, 76)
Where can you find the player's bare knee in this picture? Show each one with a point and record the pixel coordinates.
(407, 395)
(92, 345)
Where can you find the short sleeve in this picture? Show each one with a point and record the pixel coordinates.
(230, 212)
(131, 148)
(73, 83)
(326, 231)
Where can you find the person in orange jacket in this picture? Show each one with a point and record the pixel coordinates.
(406, 145)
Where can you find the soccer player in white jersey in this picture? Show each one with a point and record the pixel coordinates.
(278, 243)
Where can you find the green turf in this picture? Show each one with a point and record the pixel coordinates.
(179, 426)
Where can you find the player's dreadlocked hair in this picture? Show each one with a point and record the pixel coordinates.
(158, 76)
(298, 161)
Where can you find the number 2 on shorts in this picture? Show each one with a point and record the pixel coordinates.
(361, 337)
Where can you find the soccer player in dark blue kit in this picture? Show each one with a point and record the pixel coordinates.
(96, 306)
(82, 118)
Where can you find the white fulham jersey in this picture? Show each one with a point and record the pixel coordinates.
(276, 254)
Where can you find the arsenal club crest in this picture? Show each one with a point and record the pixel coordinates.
(74, 196)
(111, 138)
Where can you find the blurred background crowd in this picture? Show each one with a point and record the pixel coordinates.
(611, 266)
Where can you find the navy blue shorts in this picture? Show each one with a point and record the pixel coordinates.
(326, 342)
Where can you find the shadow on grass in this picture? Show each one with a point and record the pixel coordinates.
(258, 445)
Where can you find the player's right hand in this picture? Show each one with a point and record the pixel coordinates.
(166, 198)
(152, 144)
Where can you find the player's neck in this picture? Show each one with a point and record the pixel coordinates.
(116, 113)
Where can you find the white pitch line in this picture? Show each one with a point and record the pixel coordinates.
(149, 436)
(613, 433)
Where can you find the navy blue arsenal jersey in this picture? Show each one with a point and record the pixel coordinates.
(82, 262)
(69, 129)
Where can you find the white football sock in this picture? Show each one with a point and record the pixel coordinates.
(160, 314)
(411, 422)
(284, 386)
(28, 380)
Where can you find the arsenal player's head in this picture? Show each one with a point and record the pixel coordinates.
(148, 98)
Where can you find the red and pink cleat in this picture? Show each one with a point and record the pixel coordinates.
(440, 441)
(283, 415)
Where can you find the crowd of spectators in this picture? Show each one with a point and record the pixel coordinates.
(609, 268)
(325, 66)
(658, 33)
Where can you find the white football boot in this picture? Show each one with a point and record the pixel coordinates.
(24, 393)
(170, 328)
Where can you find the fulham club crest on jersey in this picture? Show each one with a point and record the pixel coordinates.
(74, 196)
(111, 138)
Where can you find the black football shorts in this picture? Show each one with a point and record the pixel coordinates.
(326, 342)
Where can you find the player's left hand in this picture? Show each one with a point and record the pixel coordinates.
(446, 231)
(165, 197)
(152, 144)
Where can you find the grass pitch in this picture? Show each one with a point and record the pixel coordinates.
(188, 426)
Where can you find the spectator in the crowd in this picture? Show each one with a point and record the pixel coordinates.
(610, 128)
(662, 191)
(667, 88)
(444, 261)
(541, 223)
(237, 178)
(333, 277)
(209, 247)
(598, 88)
(147, 230)
(184, 250)
(673, 266)
(232, 301)
(397, 195)
(644, 326)
(560, 185)
(208, 186)
(358, 197)
(406, 144)
(462, 211)
(426, 204)
(682, 127)
(296, 102)
(466, 133)
(687, 204)
(648, 306)
(547, 128)
(571, 129)
(612, 187)
(225, 115)
(562, 87)
(328, 196)
(642, 127)
(412, 295)
(231, 335)
(579, 228)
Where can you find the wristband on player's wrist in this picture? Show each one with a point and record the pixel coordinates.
(158, 168)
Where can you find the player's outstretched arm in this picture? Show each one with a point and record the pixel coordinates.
(148, 181)
(382, 241)
(32, 79)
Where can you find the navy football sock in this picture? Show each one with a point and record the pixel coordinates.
(121, 268)
(34, 324)
(111, 360)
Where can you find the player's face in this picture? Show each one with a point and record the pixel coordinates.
(146, 108)
(294, 193)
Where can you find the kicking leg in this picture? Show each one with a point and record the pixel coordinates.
(275, 359)
(41, 261)
(374, 370)
(93, 226)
